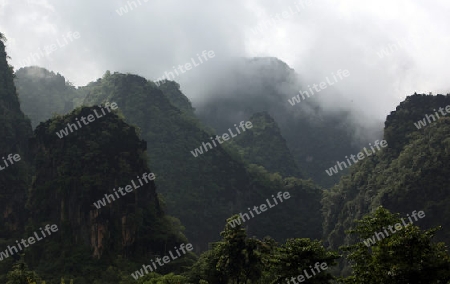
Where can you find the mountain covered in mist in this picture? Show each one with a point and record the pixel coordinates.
(315, 137)
(156, 128)
(44, 93)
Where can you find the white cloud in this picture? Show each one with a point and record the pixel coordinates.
(326, 36)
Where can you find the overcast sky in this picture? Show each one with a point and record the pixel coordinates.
(316, 38)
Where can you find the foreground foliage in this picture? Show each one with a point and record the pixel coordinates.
(407, 256)
(238, 259)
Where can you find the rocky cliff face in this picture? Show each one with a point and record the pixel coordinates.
(77, 170)
(201, 191)
(15, 130)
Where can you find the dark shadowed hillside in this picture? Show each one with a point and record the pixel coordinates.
(15, 130)
(76, 171)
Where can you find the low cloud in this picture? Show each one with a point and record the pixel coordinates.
(319, 39)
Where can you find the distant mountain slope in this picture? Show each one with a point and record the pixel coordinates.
(316, 138)
(43, 93)
(263, 145)
(172, 91)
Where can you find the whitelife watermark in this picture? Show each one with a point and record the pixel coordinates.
(139, 273)
(285, 14)
(371, 241)
(322, 86)
(30, 240)
(235, 222)
(423, 123)
(301, 277)
(399, 44)
(48, 49)
(4, 3)
(225, 137)
(10, 158)
(90, 118)
(360, 156)
(102, 202)
(124, 9)
(187, 65)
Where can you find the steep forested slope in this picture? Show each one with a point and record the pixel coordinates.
(15, 130)
(75, 171)
(412, 173)
(401, 123)
(202, 191)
